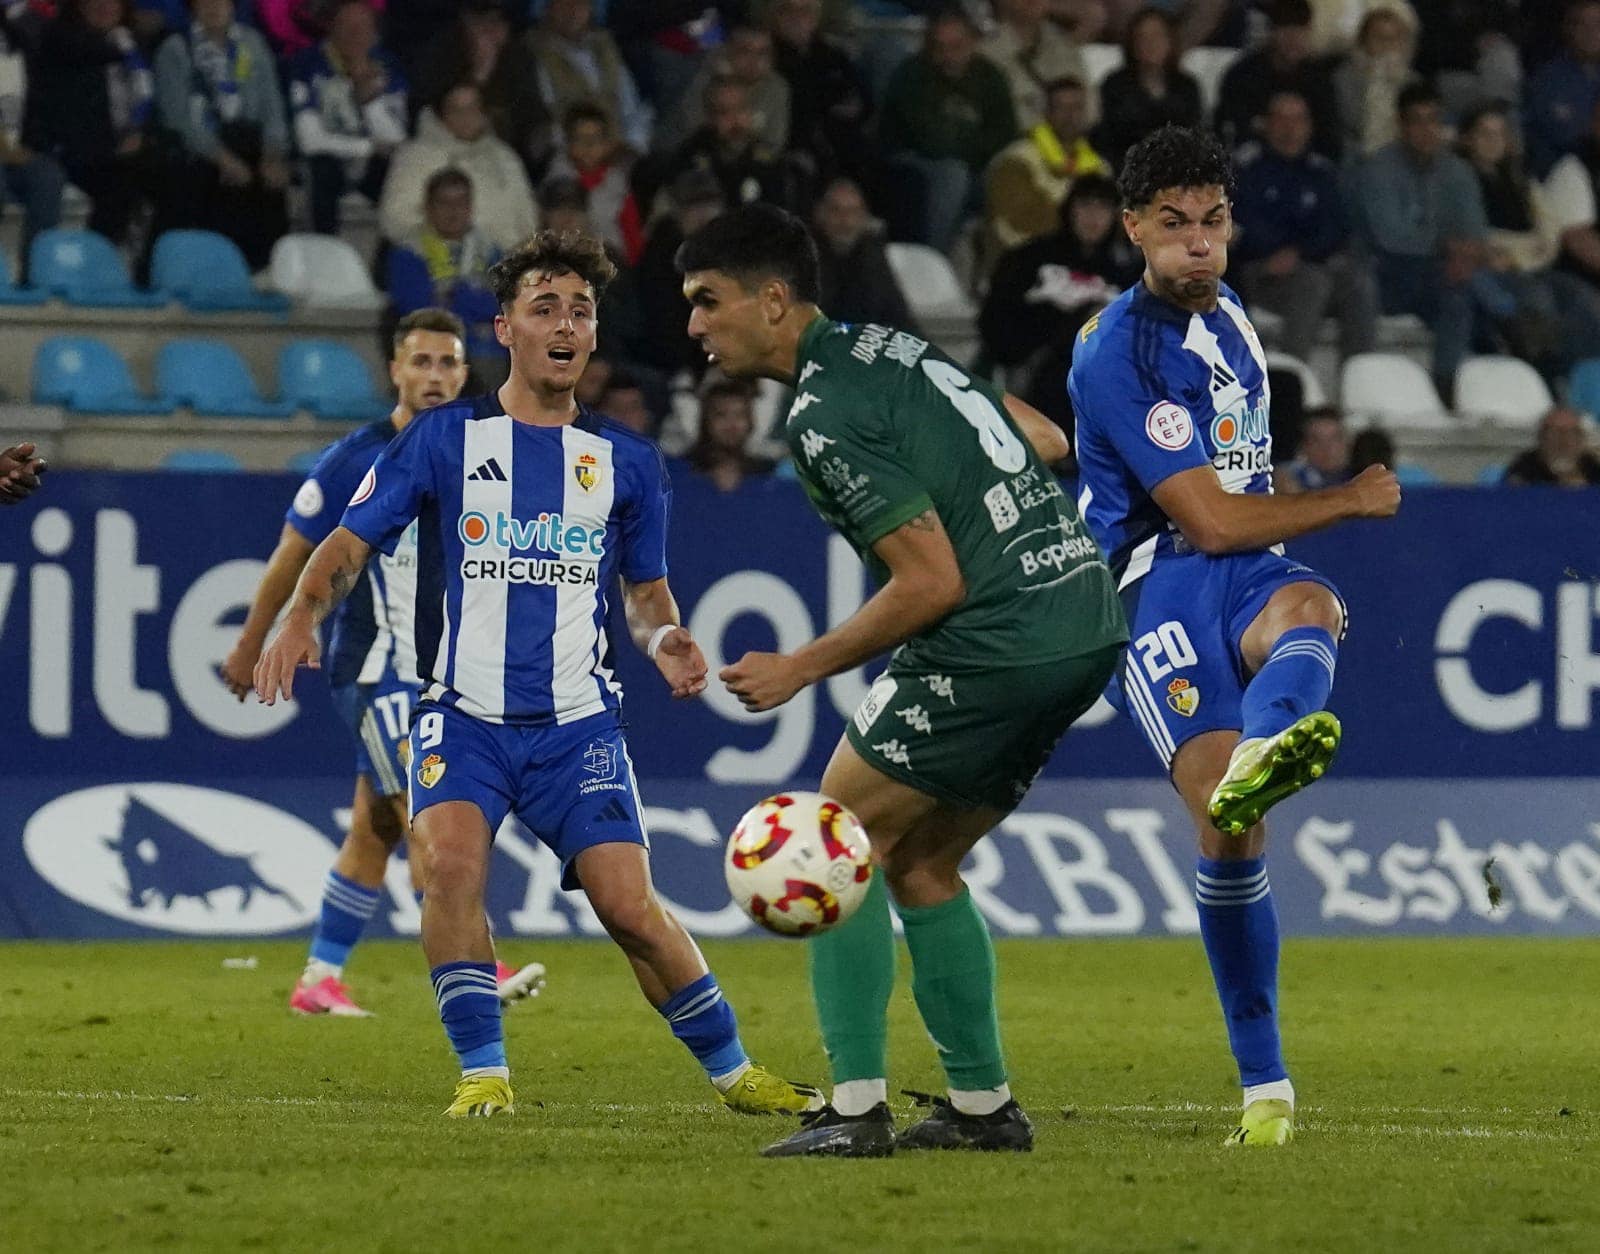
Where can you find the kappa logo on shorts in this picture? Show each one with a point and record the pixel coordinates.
(916, 718)
(431, 771)
(1183, 697)
(893, 751)
(941, 686)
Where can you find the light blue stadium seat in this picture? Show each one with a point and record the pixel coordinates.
(1492, 476)
(302, 462)
(1583, 388)
(84, 268)
(330, 380)
(87, 375)
(1414, 476)
(211, 378)
(206, 271)
(201, 461)
(10, 293)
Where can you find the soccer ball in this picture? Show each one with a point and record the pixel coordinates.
(798, 863)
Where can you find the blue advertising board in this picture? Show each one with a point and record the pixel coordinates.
(144, 800)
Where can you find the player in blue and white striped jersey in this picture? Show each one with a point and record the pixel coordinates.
(529, 508)
(371, 666)
(1234, 645)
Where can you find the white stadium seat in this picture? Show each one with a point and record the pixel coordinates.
(1394, 390)
(323, 270)
(1506, 390)
(1311, 393)
(1208, 65)
(929, 282)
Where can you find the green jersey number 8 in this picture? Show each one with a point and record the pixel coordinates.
(999, 441)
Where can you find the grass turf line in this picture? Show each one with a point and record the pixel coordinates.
(155, 1100)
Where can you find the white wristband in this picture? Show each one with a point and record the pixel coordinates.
(656, 637)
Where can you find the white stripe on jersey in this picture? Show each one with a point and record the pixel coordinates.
(1139, 561)
(1252, 342)
(480, 668)
(576, 683)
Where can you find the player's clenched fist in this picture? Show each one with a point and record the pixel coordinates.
(681, 663)
(19, 472)
(296, 644)
(763, 681)
(1376, 493)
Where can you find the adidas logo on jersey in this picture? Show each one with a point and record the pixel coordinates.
(489, 471)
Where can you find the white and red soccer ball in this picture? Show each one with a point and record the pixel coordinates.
(798, 863)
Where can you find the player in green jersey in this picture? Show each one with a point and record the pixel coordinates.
(1005, 627)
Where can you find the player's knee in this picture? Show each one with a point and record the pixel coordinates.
(632, 918)
(453, 868)
(916, 880)
(1313, 606)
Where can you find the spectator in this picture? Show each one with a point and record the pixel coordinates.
(293, 26)
(1465, 48)
(1324, 456)
(1423, 216)
(727, 421)
(747, 59)
(1033, 53)
(660, 338)
(1042, 293)
(1031, 177)
(1558, 311)
(728, 148)
(1290, 236)
(1148, 91)
(590, 158)
(1194, 22)
(1084, 21)
(1372, 447)
(1562, 457)
(1563, 93)
(445, 263)
(217, 95)
(578, 64)
(348, 101)
(946, 114)
(1369, 81)
(623, 398)
(668, 40)
(1571, 195)
(479, 49)
(90, 97)
(858, 284)
(1283, 63)
(33, 179)
(828, 102)
(457, 136)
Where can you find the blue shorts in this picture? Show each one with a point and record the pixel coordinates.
(1183, 674)
(379, 715)
(571, 785)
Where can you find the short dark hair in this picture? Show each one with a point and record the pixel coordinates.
(562, 193)
(1138, 19)
(953, 12)
(1281, 13)
(431, 319)
(584, 111)
(1174, 156)
(552, 252)
(450, 176)
(728, 389)
(755, 242)
(1323, 413)
(1418, 92)
(1067, 82)
(1087, 187)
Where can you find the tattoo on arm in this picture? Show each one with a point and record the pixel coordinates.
(340, 580)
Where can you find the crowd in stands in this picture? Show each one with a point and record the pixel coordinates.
(1432, 158)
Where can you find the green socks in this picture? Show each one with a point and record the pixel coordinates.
(852, 977)
(953, 978)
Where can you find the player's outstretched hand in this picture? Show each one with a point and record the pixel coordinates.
(19, 472)
(295, 644)
(762, 681)
(681, 663)
(1376, 493)
(238, 669)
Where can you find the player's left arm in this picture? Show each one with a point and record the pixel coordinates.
(925, 584)
(1047, 440)
(657, 630)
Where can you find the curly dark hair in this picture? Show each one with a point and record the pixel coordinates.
(752, 243)
(1174, 156)
(552, 252)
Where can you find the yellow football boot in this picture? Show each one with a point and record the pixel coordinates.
(1263, 771)
(1265, 1122)
(762, 1092)
(481, 1096)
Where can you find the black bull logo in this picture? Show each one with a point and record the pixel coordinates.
(163, 860)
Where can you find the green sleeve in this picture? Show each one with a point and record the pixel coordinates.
(851, 468)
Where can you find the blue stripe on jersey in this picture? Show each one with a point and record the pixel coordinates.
(430, 587)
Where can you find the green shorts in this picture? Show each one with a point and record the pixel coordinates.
(980, 738)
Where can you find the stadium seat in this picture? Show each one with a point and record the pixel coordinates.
(321, 270)
(1207, 65)
(1506, 390)
(1491, 476)
(202, 460)
(206, 271)
(1583, 388)
(929, 282)
(211, 378)
(328, 379)
(84, 268)
(1098, 62)
(1412, 475)
(1394, 390)
(88, 376)
(10, 293)
(1311, 391)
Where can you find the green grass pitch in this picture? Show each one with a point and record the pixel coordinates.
(1450, 1101)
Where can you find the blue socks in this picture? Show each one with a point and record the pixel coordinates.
(1239, 925)
(701, 1018)
(469, 1008)
(1294, 681)
(346, 907)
